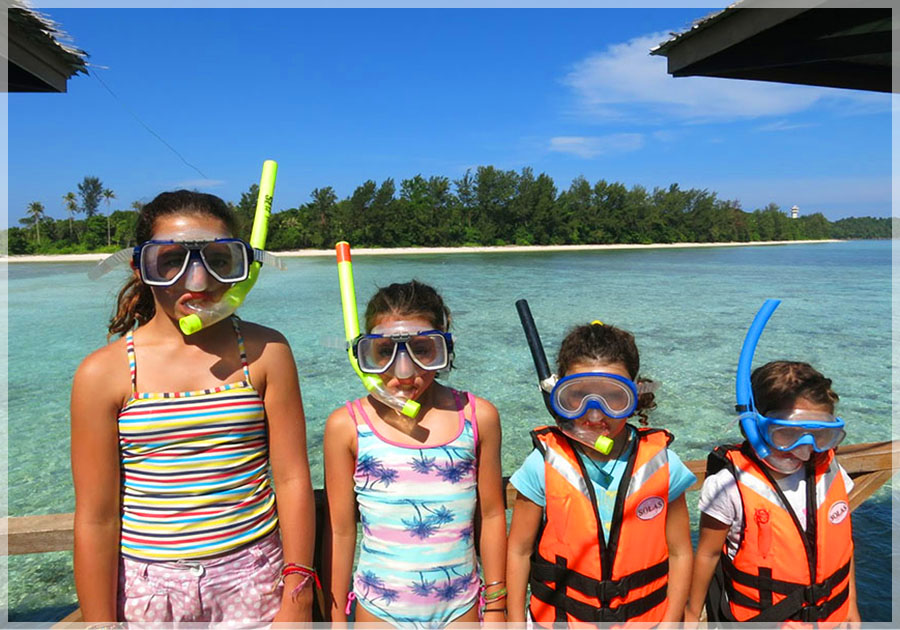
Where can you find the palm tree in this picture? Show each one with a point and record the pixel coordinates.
(71, 202)
(36, 213)
(108, 195)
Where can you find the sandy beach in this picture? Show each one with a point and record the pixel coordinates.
(393, 251)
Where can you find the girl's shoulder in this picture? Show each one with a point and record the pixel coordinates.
(256, 335)
(340, 424)
(106, 370)
(485, 411)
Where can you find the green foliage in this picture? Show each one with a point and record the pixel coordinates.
(488, 207)
(91, 191)
(861, 227)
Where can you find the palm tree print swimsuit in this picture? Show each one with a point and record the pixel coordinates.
(417, 565)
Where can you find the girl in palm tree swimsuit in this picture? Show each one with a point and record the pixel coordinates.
(419, 483)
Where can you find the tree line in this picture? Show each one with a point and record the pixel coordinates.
(489, 206)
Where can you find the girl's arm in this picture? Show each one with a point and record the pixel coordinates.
(709, 548)
(339, 540)
(95, 472)
(681, 558)
(853, 616)
(526, 520)
(290, 470)
(491, 509)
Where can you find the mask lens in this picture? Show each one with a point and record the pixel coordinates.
(428, 351)
(226, 261)
(375, 354)
(785, 437)
(163, 262)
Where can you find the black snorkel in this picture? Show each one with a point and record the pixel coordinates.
(547, 380)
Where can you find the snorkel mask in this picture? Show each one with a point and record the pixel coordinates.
(782, 431)
(372, 382)
(549, 385)
(242, 268)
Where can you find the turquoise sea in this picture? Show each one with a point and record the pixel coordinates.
(688, 309)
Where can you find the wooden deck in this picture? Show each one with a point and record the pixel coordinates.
(870, 465)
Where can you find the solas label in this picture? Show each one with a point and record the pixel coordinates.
(649, 508)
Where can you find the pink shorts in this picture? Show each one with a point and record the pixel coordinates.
(241, 586)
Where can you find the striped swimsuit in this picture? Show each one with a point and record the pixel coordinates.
(194, 470)
(417, 563)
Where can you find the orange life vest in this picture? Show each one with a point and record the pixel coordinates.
(781, 572)
(576, 575)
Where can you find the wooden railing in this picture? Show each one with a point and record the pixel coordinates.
(870, 465)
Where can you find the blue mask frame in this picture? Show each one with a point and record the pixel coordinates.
(594, 401)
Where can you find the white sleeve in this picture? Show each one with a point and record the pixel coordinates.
(721, 499)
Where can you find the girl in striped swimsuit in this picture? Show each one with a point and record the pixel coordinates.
(173, 437)
(420, 484)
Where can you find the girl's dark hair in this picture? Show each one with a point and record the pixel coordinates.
(408, 298)
(601, 343)
(777, 385)
(135, 301)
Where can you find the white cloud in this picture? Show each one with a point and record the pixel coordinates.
(592, 146)
(626, 83)
(783, 125)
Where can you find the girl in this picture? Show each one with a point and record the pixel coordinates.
(173, 436)
(599, 537)
(421, 484)
(775, 520)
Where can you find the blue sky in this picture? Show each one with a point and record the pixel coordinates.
(341, 96)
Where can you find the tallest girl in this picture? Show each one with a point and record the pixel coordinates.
(173, 436)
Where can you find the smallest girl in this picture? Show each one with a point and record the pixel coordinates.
(775, 511)
(600, 537)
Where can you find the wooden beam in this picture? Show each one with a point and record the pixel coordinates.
(37, 534)
(870, 464)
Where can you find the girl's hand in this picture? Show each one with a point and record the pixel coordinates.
(299, 610)
(494, 615)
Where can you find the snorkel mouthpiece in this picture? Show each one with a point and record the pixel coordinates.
(546, 381)
(746, 406)
(206, 316)
(372, 382)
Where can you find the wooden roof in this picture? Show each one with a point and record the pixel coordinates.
(819, 44)
(37, 60)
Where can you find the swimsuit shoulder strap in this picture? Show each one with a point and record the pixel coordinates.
(132, 364)
(240, 339)
(460, 409)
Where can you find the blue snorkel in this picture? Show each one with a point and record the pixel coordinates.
(745, 406)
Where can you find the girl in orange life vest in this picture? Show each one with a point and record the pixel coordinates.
(777, 517)
(173, 438)
(599, 537)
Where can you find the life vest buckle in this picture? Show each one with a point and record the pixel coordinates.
(809, 613)
(608, 589)
(812, 594)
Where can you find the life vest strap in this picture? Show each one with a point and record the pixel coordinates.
(800, 601)
(585, 612)
(604, 590)
(812, 593)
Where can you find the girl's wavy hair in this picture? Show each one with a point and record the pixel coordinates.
(601, 343)
(134, 304)
(409, 298)
(778, 384)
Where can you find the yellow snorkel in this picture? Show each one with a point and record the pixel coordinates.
(372, 382)
(206, 316)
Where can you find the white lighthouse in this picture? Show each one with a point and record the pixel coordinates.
(795, 212)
